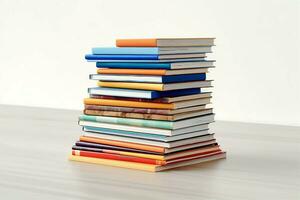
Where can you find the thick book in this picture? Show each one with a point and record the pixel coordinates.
(149, 116)
(99, 126)
(151, 142)
(123, 103)
(104, 132)
(149, 65)
(173, 95)
(143, 94)
(156, 86)
(151, 148)
(151, 50)
(154, 72)
(165, 42)
(147, 167)
(88, 146)
(144, 110)
(148, 79)
(150, 57)
(149, 123)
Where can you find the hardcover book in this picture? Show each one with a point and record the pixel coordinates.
(155, 65)
(148, 79)
(154, 72)
(165, 42)
(151, 50)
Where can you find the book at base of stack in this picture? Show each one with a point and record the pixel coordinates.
(151, 107)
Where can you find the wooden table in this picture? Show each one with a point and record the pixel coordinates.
(263, 163)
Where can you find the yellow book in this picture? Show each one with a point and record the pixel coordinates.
(146, 167)
(156, 86)
(144, 86)
(124, 103)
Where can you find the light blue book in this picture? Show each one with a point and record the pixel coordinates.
(150, 50)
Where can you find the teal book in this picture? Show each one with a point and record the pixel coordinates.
(170, 125)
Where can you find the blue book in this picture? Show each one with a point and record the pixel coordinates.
(144, 94)
(153, 65)
(151, 50)
(148, 78)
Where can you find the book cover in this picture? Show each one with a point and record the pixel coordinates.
(149, 79)
(150, 59)
(121, 57)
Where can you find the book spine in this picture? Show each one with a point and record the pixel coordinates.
(136, 42)
(128, 121)
(129, 115)
(114, 163)
(108, 102)
(155, 72)
(127, 109)
(142, 86)
(123, 144)
(117, 157)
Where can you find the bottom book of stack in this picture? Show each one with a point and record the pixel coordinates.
(151, 155)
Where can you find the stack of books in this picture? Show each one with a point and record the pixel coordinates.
(150, 110)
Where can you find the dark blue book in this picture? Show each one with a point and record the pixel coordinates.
(144, 94)
(149, 79)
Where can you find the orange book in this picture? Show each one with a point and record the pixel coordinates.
(136, 42)
(165, 42)
(124, 103)
(123, 144)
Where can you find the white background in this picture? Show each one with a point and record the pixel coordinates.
(257, 79)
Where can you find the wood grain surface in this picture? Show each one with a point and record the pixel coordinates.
(263, 162)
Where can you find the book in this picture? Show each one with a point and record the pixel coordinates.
(172, 95)
(91, 146)
(129, 158)
(150, 57)
(87, 146)
(98, 127)
(95, 59)
(143, 94)
(151, 50)
(149, 79)
(151, 148)
(156, 86)
(122, 103)
(170, 144)
(165, 42)
(149, 65)
(147, 167)
(115, 156)
(149, 123)
(149, 116)
(144, 110)
(92, 131)
(154, 72)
